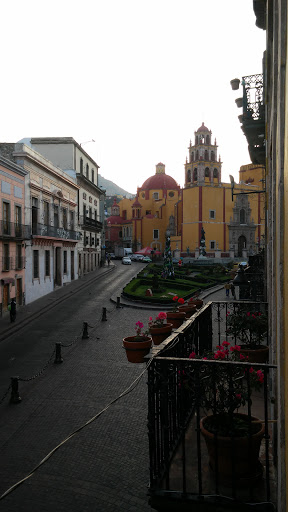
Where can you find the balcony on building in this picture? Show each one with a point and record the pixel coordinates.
(14, 231)
(180, 475)
(43, 230)
(253, 117)
(90, 223)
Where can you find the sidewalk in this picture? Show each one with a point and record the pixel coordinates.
(29, 312)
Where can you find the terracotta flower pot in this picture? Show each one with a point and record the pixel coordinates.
(176, 318)
(257, 355)
(137, 350)
(197, 302)
(235, 84)
(189, 309)
(238, 455)
(159, 334)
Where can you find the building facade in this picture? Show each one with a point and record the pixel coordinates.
(14, 234)
(67, 154)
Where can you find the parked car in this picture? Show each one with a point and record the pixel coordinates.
(137, 257)
(126, 260)
(146, 259)
(112, 255)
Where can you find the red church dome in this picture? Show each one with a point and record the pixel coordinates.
(203, 128)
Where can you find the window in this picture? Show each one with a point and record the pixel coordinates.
(215, 173)
(19, 257)
(81, 165)
(84, 212)
(207, 172)
(65, 262)
(171, 194)
(207, 139)
(156, 195)
(197, 154)
(6, 218)
(206, 155)
(65, 221)
(35, 264)
(189, 175)
(92, 175)
(192, 156)
(72, 220)
(120, 234)
(46, 213)
(155, 234)
(56, 216)
(47, 263)
(212, 244)
(212, 156)
(34, 215)
(18, 216)
(87, 171)
(212, 214)
(242, 216)
(6, 259)
(90, 212)
(195, 174)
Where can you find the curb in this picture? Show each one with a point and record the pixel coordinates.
(17, 327)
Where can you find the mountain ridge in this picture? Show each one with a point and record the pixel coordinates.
(111, 188)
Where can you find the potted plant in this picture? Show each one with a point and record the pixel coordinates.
(137, 346)
(249, 329)
(189, 308)
(158, 329)
(176, 317)
(232, 438)
(196, 301)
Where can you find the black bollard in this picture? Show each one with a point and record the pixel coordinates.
(15, 398)
(118, 303)
(58, 357)
(104, 317)
(85, 334)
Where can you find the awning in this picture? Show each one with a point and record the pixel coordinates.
(8, 280)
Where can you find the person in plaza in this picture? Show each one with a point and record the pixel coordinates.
(233, 290)
(227, 288)
(12, 310)
(108, 259)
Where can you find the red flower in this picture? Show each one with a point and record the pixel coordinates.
(238, 396)
(192, 355)
(175, 298)
(248, 314)
(225, 344)
(181, 301)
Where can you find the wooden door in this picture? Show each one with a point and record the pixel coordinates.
(5, 296)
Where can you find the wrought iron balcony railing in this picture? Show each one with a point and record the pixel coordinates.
(7, 263)
(13, 230)
(55, 232)
(179, 461)
(88, 222)
(253, 119)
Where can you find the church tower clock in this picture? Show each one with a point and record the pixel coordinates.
(203, 168)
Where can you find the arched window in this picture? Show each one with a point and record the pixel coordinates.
(206, 157)
(215, 173)
(207, 172)
(189, 175)
(212, 156)
(195, 174)
(197, 155)
(87, 171)
(207, 139)
(242, 216)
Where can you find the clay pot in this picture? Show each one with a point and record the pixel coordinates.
(235, 84)
(197, 302)
(159, 334)
(137, 350)
(189, 309)
(257, 355)
(237, 455)
(176, 318)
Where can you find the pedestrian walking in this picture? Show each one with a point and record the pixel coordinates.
(108, 259)
(233, 291)
(12, 307)
(227, 288)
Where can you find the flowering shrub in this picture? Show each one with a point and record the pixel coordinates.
(221, 388)
(159, 320)
(178, 301)
(249, 327)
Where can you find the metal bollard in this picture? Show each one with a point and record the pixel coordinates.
(104, 317)
(85, 334)
(58, 357)
(15, 398)
(118, 303)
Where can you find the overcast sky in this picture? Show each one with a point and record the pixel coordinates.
(137, 76)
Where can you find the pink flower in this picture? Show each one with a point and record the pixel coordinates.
(192, 355)
(238, 396)
(205, 358)
(251, 370)
(242, 357)
(225, 344)
(162, 315)
(260, 376)
(253, 316)
(248, 314)
(140, 325)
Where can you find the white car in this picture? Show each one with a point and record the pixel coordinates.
(126, 260)
(137, 257)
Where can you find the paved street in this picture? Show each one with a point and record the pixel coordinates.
(104, 466)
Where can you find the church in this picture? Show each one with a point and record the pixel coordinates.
(233, 227)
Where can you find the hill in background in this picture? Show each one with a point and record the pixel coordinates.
(112, 189)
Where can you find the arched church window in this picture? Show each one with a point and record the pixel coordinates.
(212, 156)
(215, 173)
(189, 175)
(207, 139)
(197, 155)
(206, 157)
(196, 140)
(195, 174)
(207, 172)
(242, 216)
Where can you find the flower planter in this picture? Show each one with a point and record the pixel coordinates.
(196, 302)
(239, 102)
(137, 350)
(257, 355)
(176, 318)
(235, 84)
(188, 309)
(237, 456)
(159, 334)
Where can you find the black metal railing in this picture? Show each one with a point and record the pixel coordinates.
(90, 222)
(12, 230)
(180, 466)
(254, 117)
(55, 232)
